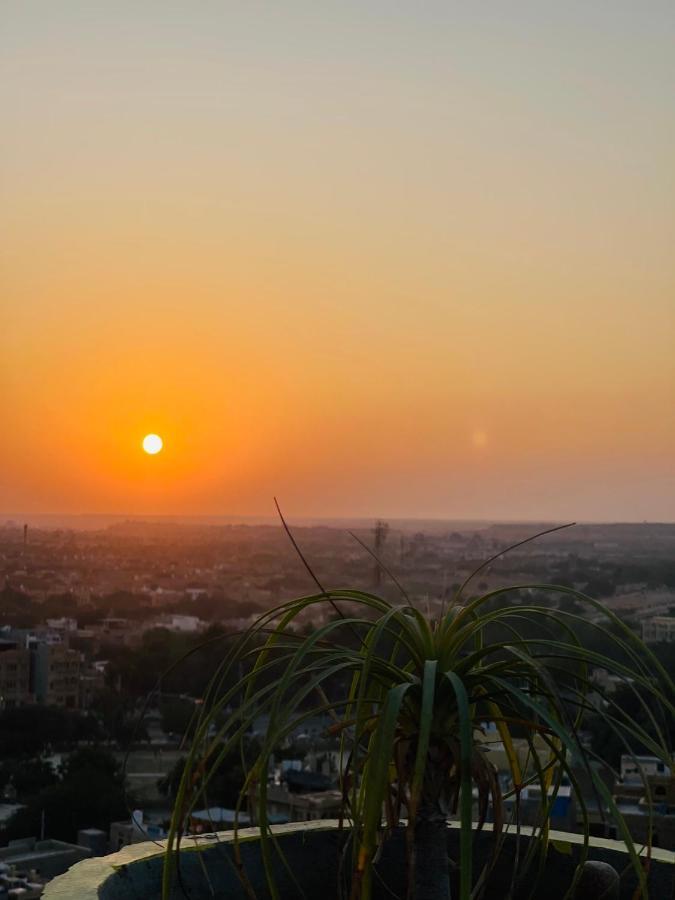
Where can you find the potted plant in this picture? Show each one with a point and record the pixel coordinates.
(410, 699)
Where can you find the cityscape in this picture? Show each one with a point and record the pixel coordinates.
(337, 441)
(92, 621)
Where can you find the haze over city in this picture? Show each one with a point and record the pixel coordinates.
(375, 260)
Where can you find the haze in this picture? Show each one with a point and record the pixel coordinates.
(376, 259)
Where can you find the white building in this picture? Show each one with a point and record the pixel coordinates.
(658, 629)
(183, 623)
(65, 623)
(650, 766)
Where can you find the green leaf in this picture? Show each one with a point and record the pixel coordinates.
(466, 742)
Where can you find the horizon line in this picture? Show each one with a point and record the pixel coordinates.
(267, 518)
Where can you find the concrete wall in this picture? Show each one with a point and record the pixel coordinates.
(312, 852)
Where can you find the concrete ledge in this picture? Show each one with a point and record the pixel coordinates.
(135, 871)
(85, 881)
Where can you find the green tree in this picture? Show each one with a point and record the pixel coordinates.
(29, 730)
(119, 717)
(27, 776)
(177, 714)
(90, 794)
(226, 782)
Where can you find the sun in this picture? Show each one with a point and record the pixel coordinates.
(152, 444)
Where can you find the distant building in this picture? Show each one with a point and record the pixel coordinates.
(134, 831)
(45, 859)
(32, 638)
(65, 623)
(16, 883)
(634, 767)
(183, 623)
(14, 676)
(124, 833)
(37, 666)
(284, 805)
(56, 675)
(91, 683)
(195, 591)
(116, 630)
(114, 626)
(161, 596)
(216, 818)
(633, 799)
(94, 839)
(659, 629)
(563, 808)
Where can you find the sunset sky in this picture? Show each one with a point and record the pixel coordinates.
(376, 258)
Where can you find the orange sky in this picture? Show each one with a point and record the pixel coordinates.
(376, 260)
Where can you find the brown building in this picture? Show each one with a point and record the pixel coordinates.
(14, 676)
(56, 675)
(287, 806)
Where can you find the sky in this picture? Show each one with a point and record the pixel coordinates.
(374, 258)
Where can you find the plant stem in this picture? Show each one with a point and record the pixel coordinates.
(432, 881)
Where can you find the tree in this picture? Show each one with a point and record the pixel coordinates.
(119, 717)
(177, 714)
(90, 794)
(227, 779)
(28, 731)
(27, 776)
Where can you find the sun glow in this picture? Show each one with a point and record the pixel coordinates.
(152, 444)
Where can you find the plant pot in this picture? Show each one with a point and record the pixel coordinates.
(311, 848)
